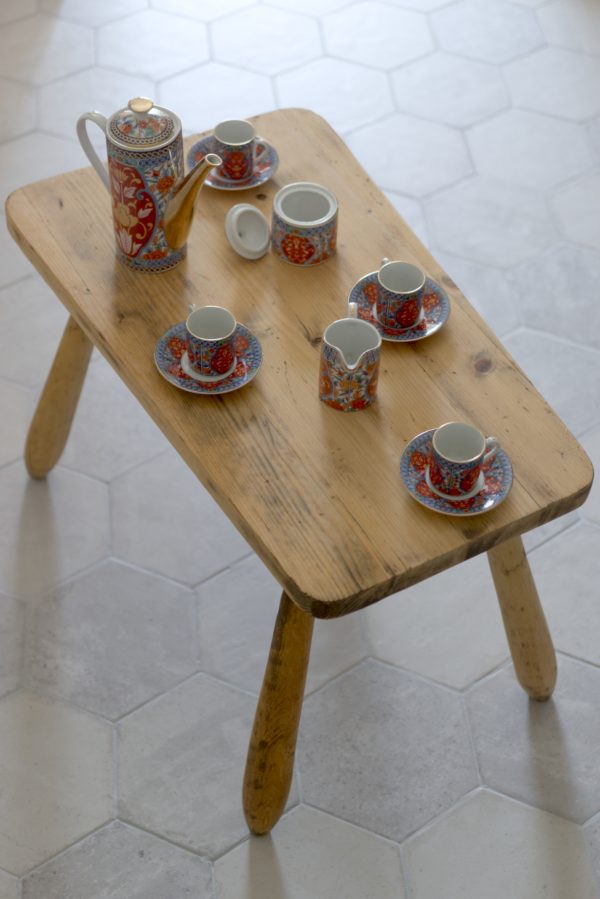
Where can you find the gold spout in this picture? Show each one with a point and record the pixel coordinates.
(180, 208)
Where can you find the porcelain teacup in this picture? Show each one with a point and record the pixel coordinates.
(399, 301)
(210, 332)
(234, 140)
(350, 354)
(458, 453)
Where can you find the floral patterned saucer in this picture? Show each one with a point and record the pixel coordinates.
(172, 346)
(497, 474)
(265, 165)
(436, 309)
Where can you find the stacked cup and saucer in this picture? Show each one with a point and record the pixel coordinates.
(456, 470)
(209, 353)
(401, 301)
(248, 160)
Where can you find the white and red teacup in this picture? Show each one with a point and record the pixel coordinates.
(458, 453)
(210, 332)
(235, 142)
(400, 295)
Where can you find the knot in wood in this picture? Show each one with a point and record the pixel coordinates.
(483, 363)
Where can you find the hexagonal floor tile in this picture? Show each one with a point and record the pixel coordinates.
(569, 590)
(152, 43)
(556, 81)
(10, 887)
(448, 89)
(62, 102)
(486, 29)
(55, 778)
(236, 615)
(591, 444)
(389, 36)
(222, 101)
(556, 293)
(447, 628)
(487, 289)
(567, 376)
(411, 156)
(424, 5)
(538, 536)
(111, 432)
(15, 264)
(121, 862)
(41, 48)
(90, 12)
(491, 846)
(181, 763)
(574, 25)
(12, 620)
(205, 10)
(530, 149)
(36, 156)
(574, 208)
(308, 856)
(16, 409)
(346, 95)
(593, 133)
(490, 222)
(17, 108)
(30, 314)
(164, 520)
(592, 834)
(412, 212)
(385, 750)
(543, 753)
(252, 39)
(49, 529)
(311, 7)
(111, 639)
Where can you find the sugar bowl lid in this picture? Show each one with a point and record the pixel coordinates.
(247, 231)
(142, 125)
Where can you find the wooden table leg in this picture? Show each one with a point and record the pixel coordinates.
(524, 620)
(51, 422)
(270, 762)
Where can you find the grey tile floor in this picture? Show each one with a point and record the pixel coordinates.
(131, 654)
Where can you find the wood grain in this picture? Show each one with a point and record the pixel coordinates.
(270, 762)
(316, 492)
(524, 621)
(56, 407)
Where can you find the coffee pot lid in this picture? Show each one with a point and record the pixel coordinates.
(142, 125)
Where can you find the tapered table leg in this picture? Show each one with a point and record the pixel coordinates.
(270, 762)
(524, 621)
(51, 422)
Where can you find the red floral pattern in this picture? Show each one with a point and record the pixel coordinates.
(134, 211)
(297, 249)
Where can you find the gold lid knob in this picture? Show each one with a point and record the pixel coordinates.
(140, 105)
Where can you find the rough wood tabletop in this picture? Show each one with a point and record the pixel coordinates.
(316, 492)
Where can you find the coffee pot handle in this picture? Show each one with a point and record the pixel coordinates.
(86, 143)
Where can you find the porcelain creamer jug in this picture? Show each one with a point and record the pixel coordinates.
(152, 200)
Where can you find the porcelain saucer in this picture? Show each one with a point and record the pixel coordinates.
(265, 165)
(436, 309)
(497, 474)
(172, 347)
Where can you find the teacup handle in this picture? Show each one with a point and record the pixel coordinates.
(492, 446)
(352, 310)
(191, 307)
(384, 261)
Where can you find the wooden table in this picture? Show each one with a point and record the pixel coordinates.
(316, 492)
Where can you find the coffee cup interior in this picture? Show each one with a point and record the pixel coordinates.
(458, 442)
(210, 323)
(305, 204)
(234, 132)
(401, 277)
